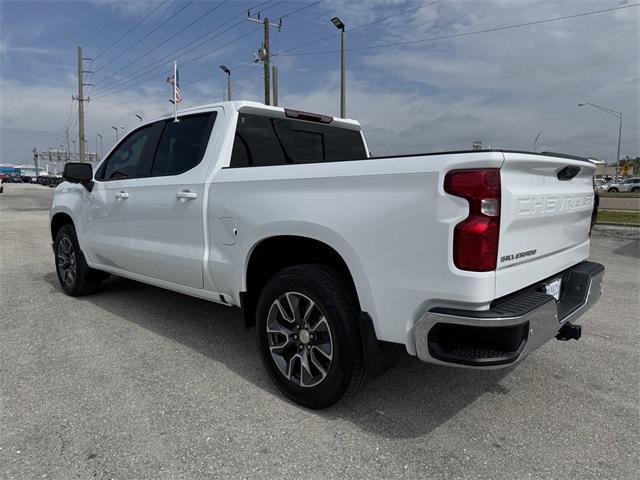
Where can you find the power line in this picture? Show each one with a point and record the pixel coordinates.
(118, 84)
(237, 86)
(302, 8)
(208, 12)
(208, 77)
(353, 29)
(110, 90)
(220, 47)
(129, 31)
(171, 17)
(149, 67)
(466, 34)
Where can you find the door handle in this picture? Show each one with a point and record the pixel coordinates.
(186, 195)
(122, 195)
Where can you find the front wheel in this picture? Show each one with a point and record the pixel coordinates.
(613, 189)
(308, 336)
(75, 276)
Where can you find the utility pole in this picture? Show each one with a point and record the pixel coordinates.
(616, 114)
(263, 53)
(267, 79)
(274, 81)
(68, 145)
(80, 98)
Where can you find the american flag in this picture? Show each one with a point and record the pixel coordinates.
(175, 81)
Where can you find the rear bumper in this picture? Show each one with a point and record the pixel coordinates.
(512, 328)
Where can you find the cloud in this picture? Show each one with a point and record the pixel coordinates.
(137, 8)
(500, 88)
(403, 122)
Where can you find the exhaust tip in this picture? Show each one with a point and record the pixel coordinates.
(569, 331)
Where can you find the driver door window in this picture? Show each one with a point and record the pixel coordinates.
(130, 158)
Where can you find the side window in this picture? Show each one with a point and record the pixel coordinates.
(182, 144)
(256, 142)
(262, 141)
(128, 159)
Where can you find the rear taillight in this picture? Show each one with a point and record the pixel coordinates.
(475, 239)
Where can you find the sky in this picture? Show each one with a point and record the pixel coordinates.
(462, 79)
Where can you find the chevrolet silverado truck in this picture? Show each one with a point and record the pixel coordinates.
(342, 261)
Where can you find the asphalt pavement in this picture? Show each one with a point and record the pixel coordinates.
(136, 382)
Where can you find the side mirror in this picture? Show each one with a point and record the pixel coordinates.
(77, 172)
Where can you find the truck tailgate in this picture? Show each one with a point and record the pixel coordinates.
(545, 218)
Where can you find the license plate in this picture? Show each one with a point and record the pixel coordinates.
(553, 288)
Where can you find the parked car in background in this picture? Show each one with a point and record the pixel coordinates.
(49, 180)
(628, 185)
(12, 178)
(601, 185)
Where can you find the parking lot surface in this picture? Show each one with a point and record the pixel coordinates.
(138, 382)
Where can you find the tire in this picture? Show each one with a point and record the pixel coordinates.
(75, 276)
(635, 189)
(331, 347)
(613, 189)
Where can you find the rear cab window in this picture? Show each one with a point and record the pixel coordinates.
(266, 141)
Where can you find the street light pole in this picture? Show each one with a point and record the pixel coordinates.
(619, 140)
(100, 136)
(343, 65)
(536, 140)
(228, 72)
(116, 129)
(616, 114)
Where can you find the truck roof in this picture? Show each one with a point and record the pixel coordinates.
(258, 108)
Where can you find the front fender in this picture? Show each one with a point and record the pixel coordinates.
(68, 199)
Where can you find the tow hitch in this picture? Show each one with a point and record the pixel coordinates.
(569, 331)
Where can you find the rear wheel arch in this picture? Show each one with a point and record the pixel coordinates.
(274, 254)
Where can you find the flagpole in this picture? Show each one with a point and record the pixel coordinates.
(175, 90)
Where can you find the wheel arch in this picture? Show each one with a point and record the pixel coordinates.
(274, 253)
(59, 220)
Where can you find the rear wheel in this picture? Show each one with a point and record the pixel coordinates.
(75, 276)
(308, 335)
(635, 189)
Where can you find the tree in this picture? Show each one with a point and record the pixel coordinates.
(630, 166)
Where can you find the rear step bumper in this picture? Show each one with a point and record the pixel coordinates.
(513, 327)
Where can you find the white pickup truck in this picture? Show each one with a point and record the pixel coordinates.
(342, 261)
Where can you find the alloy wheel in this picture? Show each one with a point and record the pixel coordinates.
(299, 339)
(66, 261)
